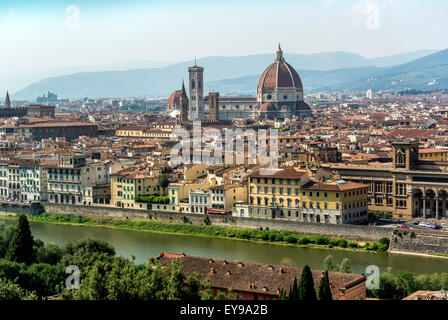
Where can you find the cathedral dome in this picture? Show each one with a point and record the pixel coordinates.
(279, 74)
(267, 107)
(303, 106)
(174, 98)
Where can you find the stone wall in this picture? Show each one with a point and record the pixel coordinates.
(352, 232)
(422, 243)
(20, 208)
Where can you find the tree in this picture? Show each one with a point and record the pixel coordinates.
(6, 234)
(20, 247)
(324, 291)
(329, 265)
(12, 291)
(293, 291)
(50, 253)
(346, 266)
(306, 290)
(164, 183)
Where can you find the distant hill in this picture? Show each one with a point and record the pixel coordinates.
(430, 72)
(229, 75)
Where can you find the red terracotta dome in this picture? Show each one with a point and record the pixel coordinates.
(303, 106)
(267, 107)
(279, 74)
(175, 97)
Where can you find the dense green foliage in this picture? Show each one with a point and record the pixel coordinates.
(305, 289)
(12, 291)
(153, 199)
(403, 283)
(21, 246)
(324, 291)
(293, 294)
(103, 275)
(344, 267)
(207, 229)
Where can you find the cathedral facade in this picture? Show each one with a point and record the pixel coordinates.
(279, 95)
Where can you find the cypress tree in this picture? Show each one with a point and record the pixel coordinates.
(21, 245)
(324, 292)
(282, 295)
(306, 286)
(293, 291)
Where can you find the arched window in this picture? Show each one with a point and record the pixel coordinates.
(193, 84)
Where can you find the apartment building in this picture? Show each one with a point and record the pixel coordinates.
(68, 178)
(291, 194)
(128, 184)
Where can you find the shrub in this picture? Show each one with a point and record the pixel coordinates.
(384, 240)
(342, 243)
(291, 239)
(304, 240)
(352, 245)
(322, 240)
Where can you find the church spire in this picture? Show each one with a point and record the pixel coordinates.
(183, 92)
(7, 100)
(279, 53)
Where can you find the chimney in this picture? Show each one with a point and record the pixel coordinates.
(212, 270)
(229, 273)
(280, 271)
(211, 261)
(270, 268)
(224, 262)
(240, 264)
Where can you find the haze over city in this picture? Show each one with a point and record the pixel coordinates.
(48, 38)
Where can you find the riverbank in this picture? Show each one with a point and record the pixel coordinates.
(207, 230)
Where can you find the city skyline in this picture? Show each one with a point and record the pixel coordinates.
(78, 33)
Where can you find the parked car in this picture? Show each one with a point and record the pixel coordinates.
(424, 225)
(404, 227)
(416, 222)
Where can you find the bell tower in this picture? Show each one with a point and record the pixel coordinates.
(213, 99)
(196, 86)
(405, 154)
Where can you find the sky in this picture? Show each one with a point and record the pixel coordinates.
(41, 36)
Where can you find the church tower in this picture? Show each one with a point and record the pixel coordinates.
(183, 106)
(196, 86)
(7, 100)
(213, 99)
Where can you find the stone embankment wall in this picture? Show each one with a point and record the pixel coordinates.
(421, 243)
(8, 208)
(352, 232)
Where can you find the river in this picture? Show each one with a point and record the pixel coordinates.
(144, 245)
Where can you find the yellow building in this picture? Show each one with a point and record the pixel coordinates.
(433, 154)
(179, 192)
(291, 194)
(126, 186)
(225, 196)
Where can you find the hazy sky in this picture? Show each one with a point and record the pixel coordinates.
(51, 34)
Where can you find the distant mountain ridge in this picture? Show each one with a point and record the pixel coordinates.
(238, 75)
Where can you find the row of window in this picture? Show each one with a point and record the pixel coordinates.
(305, 204)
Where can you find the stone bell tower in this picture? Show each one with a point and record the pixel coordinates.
(405, 154)
(196, 86)
(213, 99)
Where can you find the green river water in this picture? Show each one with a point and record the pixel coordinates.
(144, 245)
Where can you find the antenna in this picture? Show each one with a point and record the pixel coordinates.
(195, 60)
